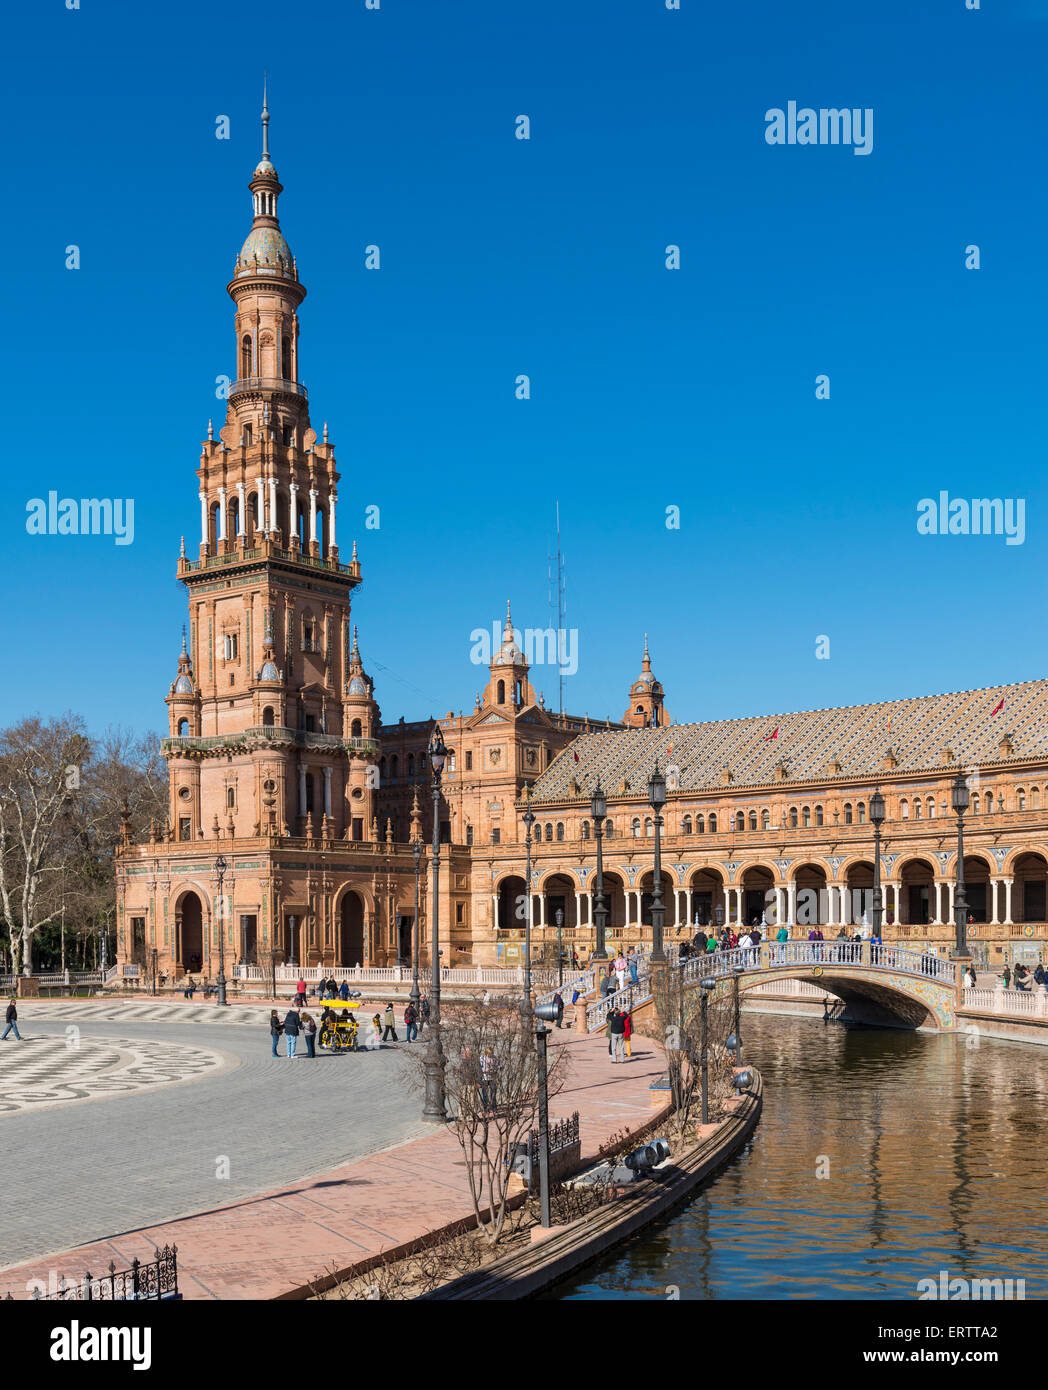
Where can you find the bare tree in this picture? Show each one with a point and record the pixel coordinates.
(678, 1009)
(41, 767)
(491, 1084)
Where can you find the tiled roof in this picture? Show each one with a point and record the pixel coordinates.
(809, 742)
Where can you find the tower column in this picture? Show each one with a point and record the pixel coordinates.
(241, 511)
(260, 520)
(331, 519)
(312, 515)
(301, 789)
(293, 538)
(272, 504)
(203, 517)
(221, 513)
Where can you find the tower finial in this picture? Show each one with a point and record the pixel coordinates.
(265, 116)
(183, 639)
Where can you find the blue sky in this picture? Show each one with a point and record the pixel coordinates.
(650, 388)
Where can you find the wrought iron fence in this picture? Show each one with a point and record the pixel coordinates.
(155, 1279)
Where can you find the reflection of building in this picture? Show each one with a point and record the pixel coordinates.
(280, 760)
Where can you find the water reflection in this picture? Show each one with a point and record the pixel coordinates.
(933, 1155)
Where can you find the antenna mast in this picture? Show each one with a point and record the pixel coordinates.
(557, 578)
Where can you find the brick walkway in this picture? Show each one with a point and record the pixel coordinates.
(264, 1246)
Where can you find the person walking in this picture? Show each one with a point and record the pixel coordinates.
(411, 1022)
(309, 1026)
(292, 1028)
(275, 1029)
(558, 1000)
(620, 970)
(627, 1031)
(1007, 977)
(11, 1019)
(631, 958)
(390, 1025)
(618, 1035)
(423, 1010)
(488, 1078)
(343, 990)
(300, 993)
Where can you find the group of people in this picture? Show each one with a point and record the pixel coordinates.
(620, 1034)
(298, 1022)
(1023, 978)
(326, 989)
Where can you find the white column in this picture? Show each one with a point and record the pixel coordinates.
(327, 791)
(331, 519)
(221, 513)
(845, 918)
(542, 896)
(260, 520)
(203, 518)
(791, 910)
(677, 894)
(1008, 901)
(740, 901)
(272, 504)
(993, 901)
(312, 513)
(778, 905)
(241, 511)
(637, 896)
(578, 909)
(302, 789)
(950, 908)
(294, 512)
(938, 901)
(832, 894)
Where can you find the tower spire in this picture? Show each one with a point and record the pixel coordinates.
(265, 116)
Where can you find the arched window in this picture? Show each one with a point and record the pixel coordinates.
(451, 760)
(183, 728)
(355, 729)
(501, 698)
(861, 809)
(469, 834)
(740, 821)
(411, 764)
(765, 819)
(713, 822)
(988, 808)
(700, 825)
(649, 826)
(394, 766)
(609, 829)
(382, 768)
(1020, 797)
(585, 829)
(806, 816)
(904, 809)
(818, 815)
(685, 826)
(635, 827)
(975, 803)
(931, 808)
(1035, 798)
(268, 717)
(916, 808)
(560, 830)
(847, 813)
(640, 709)
(793, 818)
(249, 434)
(245, 356)
(231, 798)
(549, 832)
(309, 793)
(285, 359)
(753, 820)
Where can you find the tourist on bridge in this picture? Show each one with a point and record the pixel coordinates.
(275, 1029)
(292, 1028)
(607, 984)
(783, 934)
(309, 1027)
(575, 959)
(699, 940)
(1007, 977)
(411, 1022)
(617, 1035)
(1021, 977)
(1038, 974)
(711, 944)
(620, 970)
(631, 957)
(11, 1019)
(389, 1022)
(969, 976)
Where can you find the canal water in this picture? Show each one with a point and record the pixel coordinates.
(881, 1159)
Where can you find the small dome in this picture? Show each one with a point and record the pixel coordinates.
(269, 672)
(357, 686)
(183, 686)
(265, 168)
(267, 246)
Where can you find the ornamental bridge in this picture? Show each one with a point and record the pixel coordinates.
(885, 986)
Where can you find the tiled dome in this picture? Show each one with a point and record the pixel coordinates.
(267, 246)
(183, 686)
(269, 672)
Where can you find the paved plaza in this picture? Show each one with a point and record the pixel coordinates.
(130, 1155)
(328, 1161)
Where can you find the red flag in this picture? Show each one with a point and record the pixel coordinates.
(998, 707)
(669, 750)
(774, 734)
(576, 757)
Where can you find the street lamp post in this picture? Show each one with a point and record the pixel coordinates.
(544, 1013)
(558, 917)
(529, 820)
(599, 811)
(735, 1041)
(657, 797)
(154, 970)
(959, 797)
(434, 1107)
(707, 984)
(220, 869)
(274, 952)
(416, 995)
(877, 814)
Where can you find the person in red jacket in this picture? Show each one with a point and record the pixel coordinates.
(627, 1031)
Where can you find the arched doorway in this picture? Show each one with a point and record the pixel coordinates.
(918, 893)
(859, 894)
(812, 898)
(189, 929)
(977, 887)
(559, 893)
(351, 931)
(669, 906)
(512, 902)
(615, 900)
(757, 895)
(705, 896)
(1031, 875)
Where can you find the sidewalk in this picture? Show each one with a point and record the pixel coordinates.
(261, 1247)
